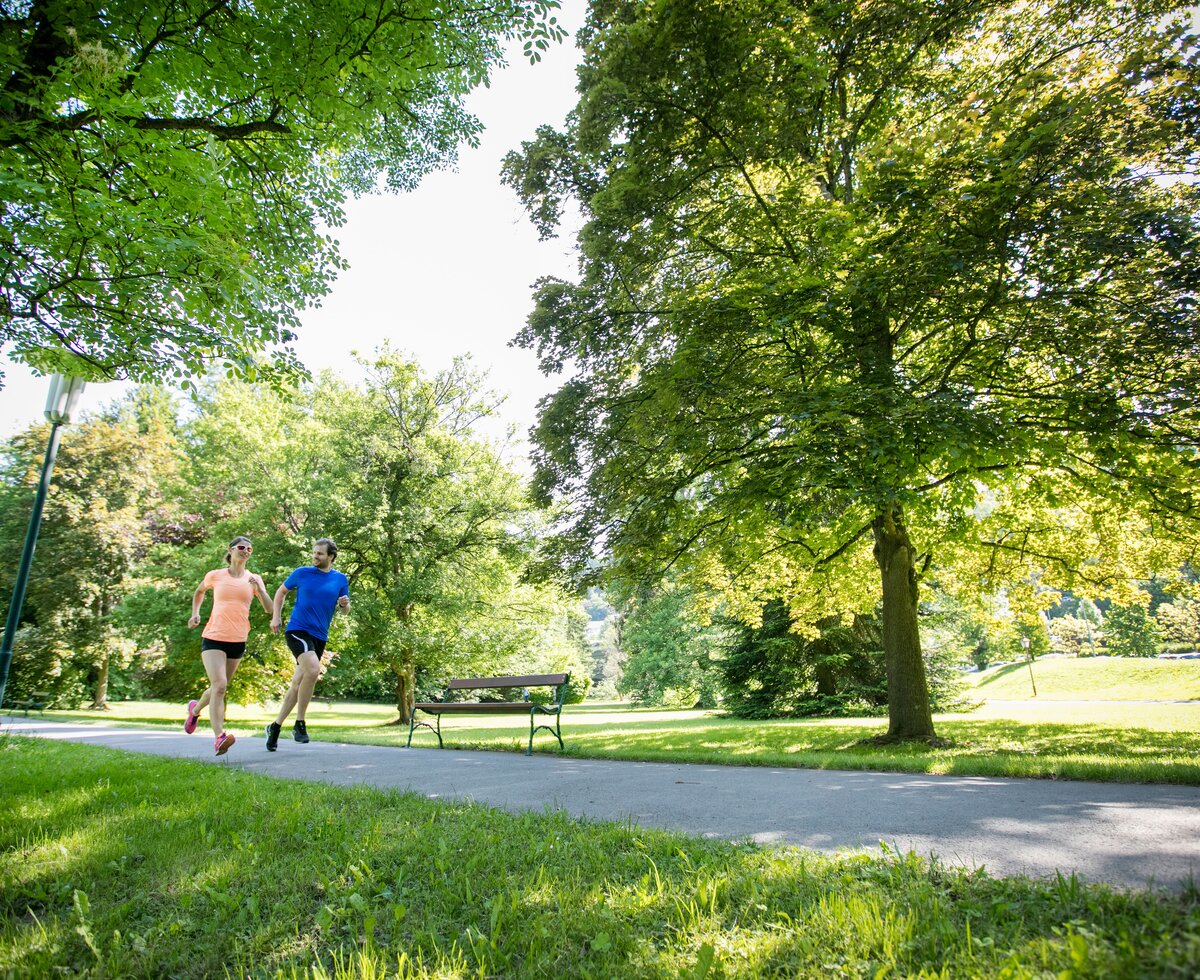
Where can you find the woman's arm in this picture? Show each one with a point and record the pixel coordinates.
(197, 599)
(260, 590)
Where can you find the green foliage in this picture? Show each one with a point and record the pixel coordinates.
(1073, 636)
(180, 869)
(956, 630)
(871, 290)
(1130, 631)
(434, 530)
(110, 474)
(168, 171)
(772, 672)
(1179, 622)
(671, 653)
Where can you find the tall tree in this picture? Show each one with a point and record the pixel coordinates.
(432, 524)
(871, 286)
(434, 528)
(168, 170)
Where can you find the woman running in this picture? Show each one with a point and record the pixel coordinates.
(223, 641)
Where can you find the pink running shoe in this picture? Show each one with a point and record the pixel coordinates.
(189, 726)
(223, 742)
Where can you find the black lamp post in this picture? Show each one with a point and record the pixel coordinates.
(60, 403)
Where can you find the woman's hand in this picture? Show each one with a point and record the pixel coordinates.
(194, 621)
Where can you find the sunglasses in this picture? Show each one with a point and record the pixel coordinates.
(244, 547)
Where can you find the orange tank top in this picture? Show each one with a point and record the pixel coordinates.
(230, 617)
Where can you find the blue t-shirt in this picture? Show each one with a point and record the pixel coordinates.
(317, 594)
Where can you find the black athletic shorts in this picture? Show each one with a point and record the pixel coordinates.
(232, 651)
(300, 641)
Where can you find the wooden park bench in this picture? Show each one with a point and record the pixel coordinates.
(524, 707)
(35, 702)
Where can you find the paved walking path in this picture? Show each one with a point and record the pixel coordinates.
(1128, 835)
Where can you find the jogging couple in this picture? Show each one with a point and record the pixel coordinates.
(320, 591)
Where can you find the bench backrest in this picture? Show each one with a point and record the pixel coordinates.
(530, 680)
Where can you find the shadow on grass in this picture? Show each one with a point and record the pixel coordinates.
(125, 865)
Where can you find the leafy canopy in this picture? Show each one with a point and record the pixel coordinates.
(167, 168)
(851, 266)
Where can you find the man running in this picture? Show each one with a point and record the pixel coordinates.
(320, 591)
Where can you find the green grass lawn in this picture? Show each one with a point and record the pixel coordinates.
(1094, 678)
(116, 864)
(1102, 723)
(1125, 742)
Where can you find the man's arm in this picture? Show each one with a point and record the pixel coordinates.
(277, 610)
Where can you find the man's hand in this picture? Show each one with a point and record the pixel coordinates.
(344, 603)
(276, 624)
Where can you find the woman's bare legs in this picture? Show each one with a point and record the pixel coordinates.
(219, 669)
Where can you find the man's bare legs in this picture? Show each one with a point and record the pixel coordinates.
(300, 691)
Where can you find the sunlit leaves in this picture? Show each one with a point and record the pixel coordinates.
(167, 173)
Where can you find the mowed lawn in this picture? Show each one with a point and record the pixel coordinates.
(1108, 729)
(1092, 678)
(115, 864)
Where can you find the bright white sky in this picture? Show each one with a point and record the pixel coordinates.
(442, 271)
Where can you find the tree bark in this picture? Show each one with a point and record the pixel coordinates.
(826, 681)
(402, 697)
(100, 699)
(909, 716)
(405, 689)
(406, 675)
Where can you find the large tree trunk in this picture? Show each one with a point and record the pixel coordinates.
(406, 676)
(826, 680)
(909, 716)
(405, 693)
(100, 699)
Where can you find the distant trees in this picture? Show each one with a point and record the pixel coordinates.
(1130, 631)
(671, 650)
(435, 530)
(113, 483)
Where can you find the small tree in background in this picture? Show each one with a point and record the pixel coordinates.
(1179, 622)
(1130, 631)
(671, 649)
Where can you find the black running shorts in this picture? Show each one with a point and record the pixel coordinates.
(232, 651)
(300, 641)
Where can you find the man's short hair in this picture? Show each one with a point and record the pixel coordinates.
(330, 547)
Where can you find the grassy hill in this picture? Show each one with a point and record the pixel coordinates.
(1095, 679)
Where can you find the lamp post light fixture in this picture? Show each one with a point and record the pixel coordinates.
(60, 403)
(1029, 664)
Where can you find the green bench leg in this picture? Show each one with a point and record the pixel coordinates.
(556, 731)
(413, 725)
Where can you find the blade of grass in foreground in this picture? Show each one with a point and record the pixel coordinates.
(126, 865)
